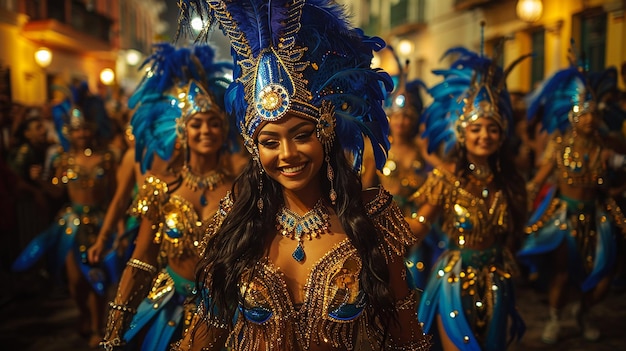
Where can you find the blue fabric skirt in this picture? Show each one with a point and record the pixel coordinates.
(159, 315)
(421, 258)
(585, 228)
(473, 292)
(76, 229)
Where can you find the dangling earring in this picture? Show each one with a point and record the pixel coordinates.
(325, 132)
(259, 202)
(331, 177)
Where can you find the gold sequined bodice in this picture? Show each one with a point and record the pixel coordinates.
(76, 175)
(332, 295)
(178, 228)
(468, 220)
(334, 310)
(575, 166)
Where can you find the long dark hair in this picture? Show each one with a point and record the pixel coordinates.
(243, 238)
(506, 178)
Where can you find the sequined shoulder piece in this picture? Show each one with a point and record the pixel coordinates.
(151, 195)
(390, 223)
(436, 188)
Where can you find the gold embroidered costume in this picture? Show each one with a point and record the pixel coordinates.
(334, 311)
(470, 286)
(178, 231)
(586, 225)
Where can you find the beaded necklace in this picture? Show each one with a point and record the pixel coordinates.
(310, 225)
(202, 182)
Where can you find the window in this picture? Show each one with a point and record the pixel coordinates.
(537, 64)
(593, 41)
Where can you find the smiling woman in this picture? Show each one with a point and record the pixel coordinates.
(292, 155)
(299, 256)
(179, 101)
(478, 197)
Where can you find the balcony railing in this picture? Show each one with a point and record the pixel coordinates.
(71, 13)
(461, 5)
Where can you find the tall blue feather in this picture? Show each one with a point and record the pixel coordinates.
(553, 99)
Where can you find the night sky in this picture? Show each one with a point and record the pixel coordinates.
(217, 39)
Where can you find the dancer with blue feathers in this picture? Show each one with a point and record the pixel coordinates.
(304, 259)
(574, 226)
(407, 167)
(179, 117)
(84, 169)
(479, 199)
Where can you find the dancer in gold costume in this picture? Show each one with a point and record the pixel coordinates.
(303, 258)
(469, 297)
(575, 225)
(84, 169)
(179, 102)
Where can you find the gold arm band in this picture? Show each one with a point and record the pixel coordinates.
(133, 262)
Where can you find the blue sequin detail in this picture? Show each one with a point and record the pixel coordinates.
(174, 233)
(257, 315)
(298, 253)
(348, 312)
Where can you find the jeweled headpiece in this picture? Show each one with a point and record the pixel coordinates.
(406, 95)
(303, 57)
(473, 87)
(565, 96)
(74, 107)
(179, 83)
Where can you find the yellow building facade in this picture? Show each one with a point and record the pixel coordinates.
(83, 37)
(432, 26)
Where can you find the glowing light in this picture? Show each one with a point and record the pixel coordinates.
(43, 57)
(133, 57)
(197, 23)
(405, 47)
(529, 10)
(107, 76)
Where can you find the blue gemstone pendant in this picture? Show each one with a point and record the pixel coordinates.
(298, 253)
(203, 200)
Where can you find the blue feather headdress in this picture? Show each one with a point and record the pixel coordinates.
(302, 57)
(554, 99)
(568, 94)
(75, 107)
(473, 87)
(179, 83)
(407, 95)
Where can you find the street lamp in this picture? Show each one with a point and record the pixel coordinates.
(43, 57)
(405, 48)
(529, 10)
(132, 57)
(107, 76)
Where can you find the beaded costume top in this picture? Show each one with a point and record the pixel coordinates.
(68, 172)
(467, 218)
(178, 225)
(270, 319)
(576, 168)
(407, 179)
